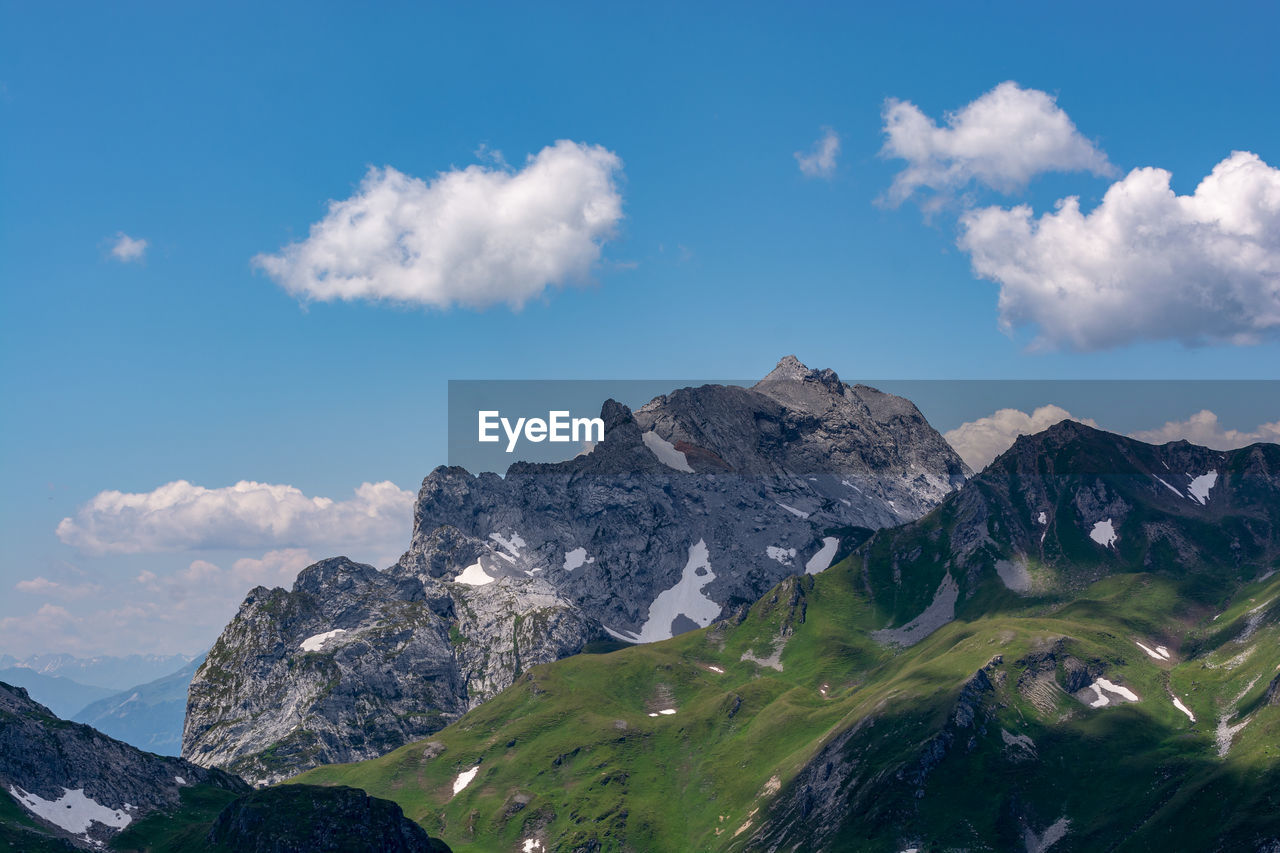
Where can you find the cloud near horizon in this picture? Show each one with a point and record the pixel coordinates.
(980, 442)
(159, 613)
(473, 237)
(1203, 428)
(180, 516)
(1001, 141)
(820, 162)
(1145, 264)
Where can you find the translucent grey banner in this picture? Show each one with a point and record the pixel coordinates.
(494, 423)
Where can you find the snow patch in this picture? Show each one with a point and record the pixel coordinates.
(316, 642)
(1104, 533)
(666, 452)
(1200, 486)
(464, 779)
(1042, 518)
(821, 561)
(1102, 687)
(796, 512)
(1054, 833)
(781, 555)
(514, 544)
(1177, 703)
(716, 669)
(685, 598)
(1159, 652)
(1171, 488)
(576, 559)
(473, 575)
(73, 811)
(180, 780)
(624, 636)
(532, 845)
(667, 712)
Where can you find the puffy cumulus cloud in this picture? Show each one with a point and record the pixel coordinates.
(126, 249)
(473, 237)
(1002, 140)
(820, 161)
(1144, 264)
(981, 441)
(1204, 429)
(181, 516)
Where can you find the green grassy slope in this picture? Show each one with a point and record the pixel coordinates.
(571, 756)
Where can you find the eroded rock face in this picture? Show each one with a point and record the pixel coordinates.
(354, 662)
(698, 503)
(702, 499)
(73, 777)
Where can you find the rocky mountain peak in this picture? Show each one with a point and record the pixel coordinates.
(700, 500)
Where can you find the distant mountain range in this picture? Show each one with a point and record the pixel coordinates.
(112, 672)
(148, 716)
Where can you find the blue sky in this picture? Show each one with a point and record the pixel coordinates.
(219, 133)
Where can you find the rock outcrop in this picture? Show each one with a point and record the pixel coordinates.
(312, 819)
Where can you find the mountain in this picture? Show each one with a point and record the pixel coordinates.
(68, 781)
(691, 507)
(1079, 650)
(148, 716)
(353, 662)
(112, 672)
(70, 787)
(61, 694)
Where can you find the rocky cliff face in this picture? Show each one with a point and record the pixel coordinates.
(697, 503)
(353, 662)
(80, 784)
(702, 499)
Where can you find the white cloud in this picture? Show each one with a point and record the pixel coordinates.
(820, 162)
(473, 237)
(1145, 264)
(182, 608)
(204, 581)
(128, 249)
(1204, 429)
(1002, 140)
(180, 516)
(56, 589)
(981, 441)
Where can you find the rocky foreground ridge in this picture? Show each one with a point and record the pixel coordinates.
(80, 784)
(692, 506)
